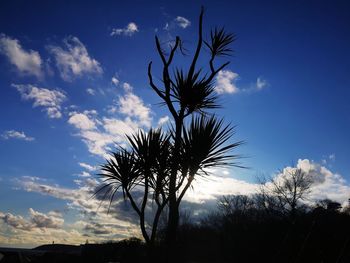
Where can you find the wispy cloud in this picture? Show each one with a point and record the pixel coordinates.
(26, 62)
(114, 224)
(49, 100)
(182, 22)
(88, 167)
(261, 83)
(73, 59)
(128, 30)
(19, 135)
(163, 120)
(179, 21)
(115, 80)
(91, 91)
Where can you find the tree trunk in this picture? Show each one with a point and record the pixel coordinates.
(173, 218)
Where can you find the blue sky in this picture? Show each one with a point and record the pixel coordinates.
(74, 80)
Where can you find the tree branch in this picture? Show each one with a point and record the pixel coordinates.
(199, 45)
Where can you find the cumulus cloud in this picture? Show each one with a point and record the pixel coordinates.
(133, 106)
(225, 82)
(80, 199)
(218, 185)
(100, 134)
(182, 22)
(26, 62)
(127, 87)
(20, 135)
(81, 121)
(73, 59)
(129, 30)
(36, 220)
(17, 222)
(40, 220)
(49, 100)
(326, 184)
(120, 127)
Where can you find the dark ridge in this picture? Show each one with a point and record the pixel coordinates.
(62, 248)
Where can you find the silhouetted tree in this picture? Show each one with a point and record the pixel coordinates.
(329, 205)
(290, 187)
(163, 164)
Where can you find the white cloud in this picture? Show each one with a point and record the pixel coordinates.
(100, 134)
(163, 120)
(112, 109)
(91, 91)
(80, 199)
(225, 82)
(12, 134)
(127, 87)
(120, 127)
(36, 220)
(97, 142)
(73, 60)
(115, 81)
(179, 21)
(326, 184)
(40, 220)
(261, 83)
(50, 100)
(129, 30)
(88, 167)
(17, 222)
(215, 186)
(26, 62)
(182, 22)
(84, 174)
(81, 121)
(133, 106)
(332, 157)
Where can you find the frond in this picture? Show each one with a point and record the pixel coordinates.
(120, 171)
(219, 42)
(195, 93)
(206, 144)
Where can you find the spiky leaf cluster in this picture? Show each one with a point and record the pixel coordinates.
(219, 43)
(194, 93)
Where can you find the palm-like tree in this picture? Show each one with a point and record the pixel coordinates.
(163, 164)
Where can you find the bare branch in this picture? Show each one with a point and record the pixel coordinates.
(199, 44)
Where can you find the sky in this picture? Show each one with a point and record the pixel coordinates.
(73, 82)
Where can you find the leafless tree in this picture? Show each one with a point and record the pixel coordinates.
(289, 187)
